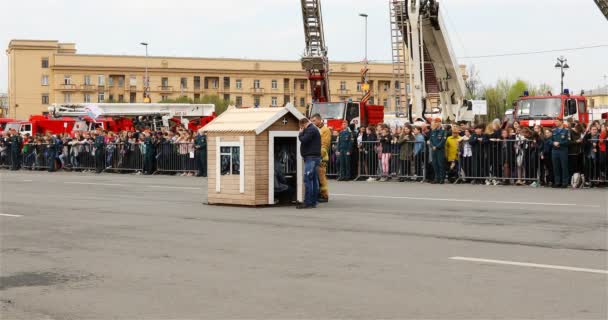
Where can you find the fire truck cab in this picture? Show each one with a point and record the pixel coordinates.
(544, 110)
(357, 113)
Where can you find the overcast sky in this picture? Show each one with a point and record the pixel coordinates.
(272, 29)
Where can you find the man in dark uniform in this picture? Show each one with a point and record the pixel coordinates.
(200, 146)
(99, 151)
(437, 142)
(345, 145)
(15, 147)
(559, 155)
(148, 154)
(53, 149)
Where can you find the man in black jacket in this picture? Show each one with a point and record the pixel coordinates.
(310, 149)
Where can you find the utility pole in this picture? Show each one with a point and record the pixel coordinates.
(147, 80)
(562, 64)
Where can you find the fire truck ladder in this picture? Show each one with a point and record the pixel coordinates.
(603, 5)
(315, 60)
(400, 55)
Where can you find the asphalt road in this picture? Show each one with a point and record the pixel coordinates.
(81, 246)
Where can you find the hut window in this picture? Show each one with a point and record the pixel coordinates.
(230, 160)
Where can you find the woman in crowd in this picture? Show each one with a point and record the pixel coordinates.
(575, 149)
(466, 152)
(385, 143)
(546, 169)
(419, 154)
(406, 151)
(369, 147)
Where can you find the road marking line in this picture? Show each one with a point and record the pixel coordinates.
(169, 187)
(95, 184)
(11, 215)
(470, 200)
(532, 265)
(28, 180)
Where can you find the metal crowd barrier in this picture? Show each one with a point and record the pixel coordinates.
(406, 160)
(175, 157)
(595, 163)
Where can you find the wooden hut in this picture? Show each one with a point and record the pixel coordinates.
(241, 146)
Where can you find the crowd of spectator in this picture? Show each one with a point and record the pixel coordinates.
(493, 154)
(144, 151)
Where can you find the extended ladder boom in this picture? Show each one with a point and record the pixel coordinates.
(603, 5)
(315, 60)
(132, 110)
(420, 26)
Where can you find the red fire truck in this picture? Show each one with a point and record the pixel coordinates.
(67, 118)
(316, 64)
(543, 110)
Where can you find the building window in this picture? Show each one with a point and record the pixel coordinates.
(386, 86)
(239, 84)
(132, 97)
(226, 82)
(358, 86)
(133, 81)
(111, 98)
(67, 97)
(256, 84)
(274, 101)
(397, 101)
(45, 63)
(121, 82)
(407, 88)
(183, 83)
(67, 79)
(226, 97)
(87, 97)
(342, 85)
(110, 81)
(302, 84)
(302, 102)
(239, 101)
(45, 98)
(230, 158)
(121, 98)
(275, 85)
(214, 83)
(164, 97)
(87, 80)
(285, 100)
(256, 101)
(197, 97)
(397, 84)
(101, 80)
(385, 103)
(164, 82)
(101, 97)
(197, 82)
(45, 80)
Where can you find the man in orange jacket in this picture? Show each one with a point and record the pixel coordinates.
(317, 120)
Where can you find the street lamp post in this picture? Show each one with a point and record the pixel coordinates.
(147, 81)
(364, 15)
(562, 64)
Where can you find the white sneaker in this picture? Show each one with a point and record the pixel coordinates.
(370, 179)
(488, 182)
(494, 182)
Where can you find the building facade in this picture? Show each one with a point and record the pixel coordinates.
(597, 98)
(3, 105)
(47, 72)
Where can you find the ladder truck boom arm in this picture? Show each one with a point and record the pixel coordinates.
(315, 61)
(132, 109)
(603, 5)
(420, 26)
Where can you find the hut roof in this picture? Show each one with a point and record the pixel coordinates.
(250, 120)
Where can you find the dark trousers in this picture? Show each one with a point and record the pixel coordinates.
(201, 163)
(405, 168)
(15, 158)
(344, 164)
(546, 170)
(50, 160)
(148, 163)
(560, 166)
(439, 165)
(311, 180)
(419, 164)
(99, 160)
(467, 165)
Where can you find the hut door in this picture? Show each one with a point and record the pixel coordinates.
(285, 180)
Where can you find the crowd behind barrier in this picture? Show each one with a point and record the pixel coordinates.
(494, 154)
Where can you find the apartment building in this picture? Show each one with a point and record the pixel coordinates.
(44, 72)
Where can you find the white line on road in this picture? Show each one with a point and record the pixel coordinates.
(10, 215)
(28, 180)
(470, 200)
(170, 187)
(95, 184)
(532, 265)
